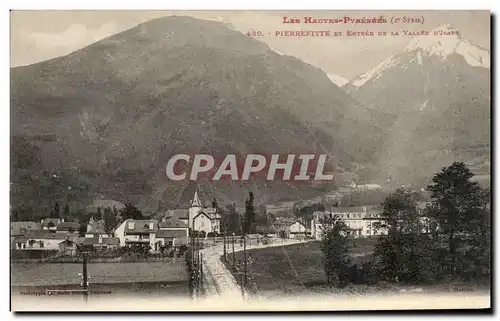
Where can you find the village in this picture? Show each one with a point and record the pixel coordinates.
(171, 230)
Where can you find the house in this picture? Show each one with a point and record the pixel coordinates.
(174, 224)
(50, 224)
(67, 247)
(286, 227)
(172, 231)
(297, 229)
(135, 232)
(203, 218)
(102, 242)
(96, 228)
(179, 214)
(39, 240)
(360, 220)
(170, 238)
(68, 228)
(256, 239)
(23, 227)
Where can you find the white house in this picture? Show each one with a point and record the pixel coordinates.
(203, 218)
(285, 227)
(297, 229)
(134, 232)
(38, 240)
(359, 220)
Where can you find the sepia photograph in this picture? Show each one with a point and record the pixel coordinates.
(238, 160)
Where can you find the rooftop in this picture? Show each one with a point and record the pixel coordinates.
(170, 234)
(173, 222)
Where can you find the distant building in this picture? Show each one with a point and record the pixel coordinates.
(40, 240)
(68, 228)
(102, 242)
(170, 238)
(50, 224)
(359, 220)
(362, 221)
(172, 232)
(203, 218)
(67, 247)
(96, 228)
(288, 228)
(135, 232)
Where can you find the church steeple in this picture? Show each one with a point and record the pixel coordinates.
(195, 202)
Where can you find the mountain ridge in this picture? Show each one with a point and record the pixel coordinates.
(120, 107)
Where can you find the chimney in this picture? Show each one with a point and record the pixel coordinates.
(100, 238)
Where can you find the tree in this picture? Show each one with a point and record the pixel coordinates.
(335, 247)
(82, 230)
(249, 214)
(109, 221)
(232, 221)
(66, 211)
(99, 213)
(57, 211)
(261, 220)
(407, 253)
(215, 204)
(130, 212)
(458, 206)
(305, 212)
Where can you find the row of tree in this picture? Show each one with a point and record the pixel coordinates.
(254, 220)
(449, 238)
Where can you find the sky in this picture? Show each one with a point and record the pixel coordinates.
(42, 35)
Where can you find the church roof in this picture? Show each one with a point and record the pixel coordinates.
(195, 201)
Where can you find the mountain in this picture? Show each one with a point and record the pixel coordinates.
(438, 92)
(338, 80)
(109, 116)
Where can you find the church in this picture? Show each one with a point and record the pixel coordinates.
(197, 217)
(202, 218)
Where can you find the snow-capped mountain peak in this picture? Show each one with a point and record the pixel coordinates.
(376, 72)
(445, 40)
(440, 42)
(338, 80)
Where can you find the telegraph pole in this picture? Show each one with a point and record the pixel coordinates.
(201, 272)
(198, 272)
(234, 255)
(85, 281)
(224, 240)
(245, 259)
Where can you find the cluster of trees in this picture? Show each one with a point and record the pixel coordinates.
(447, 239)
(254, 220)
(112, 216)
(305, 213)
(20, 215)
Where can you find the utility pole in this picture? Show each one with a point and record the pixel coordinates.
(245, 258)
(234, 255)
(224, 241)
(201, 272)
(85, 281)
(198, 271)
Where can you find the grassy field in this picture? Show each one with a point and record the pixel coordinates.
(100, 273)
(296, 270)
(290, 267)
